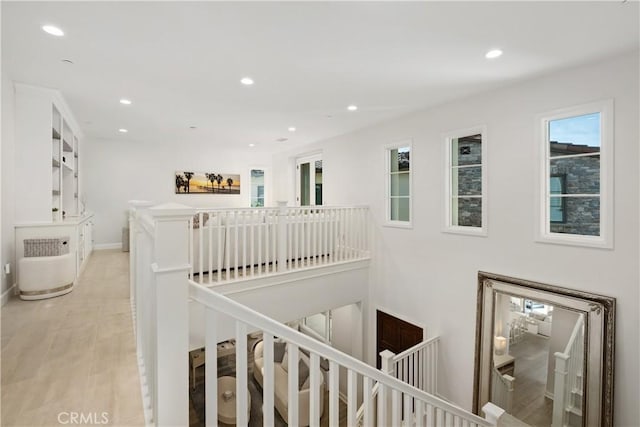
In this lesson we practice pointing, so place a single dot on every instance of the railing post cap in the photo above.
(140, 203)
(387, 354)
(174, 210)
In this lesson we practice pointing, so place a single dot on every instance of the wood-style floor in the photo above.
(74, 353)
(532, 359)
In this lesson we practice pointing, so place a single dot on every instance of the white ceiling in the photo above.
(180, 63)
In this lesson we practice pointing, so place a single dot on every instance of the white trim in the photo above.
(448, 226)
(105, 246)
(7, 293)
(542, 232)
(388, 222)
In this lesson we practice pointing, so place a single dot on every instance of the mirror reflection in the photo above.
(538, 361)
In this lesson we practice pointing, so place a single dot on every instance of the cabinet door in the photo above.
(88, 238)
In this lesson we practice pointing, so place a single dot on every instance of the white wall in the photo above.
(431, 277)
(8, 173)
(116, 171)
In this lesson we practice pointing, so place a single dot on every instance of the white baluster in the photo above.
(242, 389)
(200, 247)
(367, 419)
(281, 251)
(314, 395)
(352, 397)
(334, 391)
(211, 367)
(396, 411)
(268, 380)
(293, 411)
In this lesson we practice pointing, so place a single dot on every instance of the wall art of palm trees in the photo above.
(188, 182)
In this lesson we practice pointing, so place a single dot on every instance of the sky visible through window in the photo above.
(579, 130)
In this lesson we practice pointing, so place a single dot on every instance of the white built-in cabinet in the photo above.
(48, 193)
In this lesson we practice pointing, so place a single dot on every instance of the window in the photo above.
(465, 179)
(257, 188)
(575, 186)
(399, 184)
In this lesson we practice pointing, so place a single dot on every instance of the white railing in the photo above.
(161, 292)
(418, 365)
(502, 389)
(397, 402)
(227, 245)
(568, 375)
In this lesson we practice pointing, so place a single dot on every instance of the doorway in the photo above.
(309, 181)
(395, 335)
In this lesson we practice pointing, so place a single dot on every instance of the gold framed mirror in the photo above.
(544, 353)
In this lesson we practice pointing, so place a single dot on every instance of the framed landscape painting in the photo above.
(207, 183)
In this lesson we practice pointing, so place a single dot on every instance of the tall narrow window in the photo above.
(399, 184)
(575, 182)
(257, 188)
(466, 183)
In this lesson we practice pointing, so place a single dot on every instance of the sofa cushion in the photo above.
(303, 369)
(278, 351)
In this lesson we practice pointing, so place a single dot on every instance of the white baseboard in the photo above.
(7, 293)
(104, 246)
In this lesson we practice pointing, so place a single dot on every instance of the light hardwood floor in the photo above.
(532, 359)
(74, 353)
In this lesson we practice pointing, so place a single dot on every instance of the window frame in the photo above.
(388, 148)
(266, 184)
(543, 228)
(449, 227)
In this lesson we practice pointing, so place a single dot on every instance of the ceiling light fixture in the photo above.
(122, 130)
(252, 145)
(352, 107)
(54, 31)
(247, 81)
(292, 129)
(125, 101)
(67, 61)
(282, 139)
(494, 53)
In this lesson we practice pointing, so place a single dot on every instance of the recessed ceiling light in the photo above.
(125, 101)
(494, 53)
(122, 130)
(352, 107)
(54, 31)
(252, 145)
(193, 127)
(247, 81)
(292, 129)
(282, 139)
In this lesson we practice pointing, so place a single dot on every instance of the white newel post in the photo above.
(559, 381)
(135, 206)
(492, 413)
(281, 256)
(386, 366)
(171, 268)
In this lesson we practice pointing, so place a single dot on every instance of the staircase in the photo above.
(568, 381)
(161, 294)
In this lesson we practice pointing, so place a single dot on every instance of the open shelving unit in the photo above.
(64, 168)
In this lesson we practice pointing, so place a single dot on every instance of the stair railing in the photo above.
(502, 389)
(568, 374)
(408, 404)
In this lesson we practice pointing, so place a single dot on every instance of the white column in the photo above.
(281, 255)
(170, 268)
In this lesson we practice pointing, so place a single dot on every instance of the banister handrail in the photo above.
(261, 208)
(415, 348)
(574, 335)
(251, 317)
